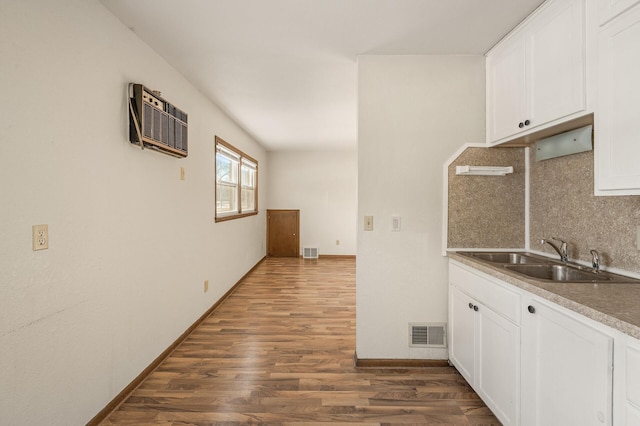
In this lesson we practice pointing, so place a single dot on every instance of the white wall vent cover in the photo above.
(310, 252)
(428, 335)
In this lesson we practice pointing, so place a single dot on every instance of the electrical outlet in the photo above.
(40, 237)
(206, 286)
(337, 242)
(395, 223)
(368, 223)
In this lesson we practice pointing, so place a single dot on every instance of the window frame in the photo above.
(220, 217)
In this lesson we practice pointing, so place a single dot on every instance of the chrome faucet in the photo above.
(595, 261)
(561, 250)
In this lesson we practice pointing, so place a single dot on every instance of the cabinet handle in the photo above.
(521, 125)
(475, 308)
(531, 309)
(470, 305)
(527, 122)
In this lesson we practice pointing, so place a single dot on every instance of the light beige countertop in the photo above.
(616, 305)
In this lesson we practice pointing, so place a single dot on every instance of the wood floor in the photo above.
(280, 351)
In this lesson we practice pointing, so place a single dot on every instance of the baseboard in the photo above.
(115, 402)
(334, 256)
(399, 363)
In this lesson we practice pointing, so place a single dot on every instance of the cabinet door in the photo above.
(608, 9)
(461, 333)
(632, 416)
(506, 89)
(498, 365)
(556, 63)
(566, 370)
(617, 142)
(632, 384)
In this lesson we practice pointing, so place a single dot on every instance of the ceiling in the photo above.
(286, 70)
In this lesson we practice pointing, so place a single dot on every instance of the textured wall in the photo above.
(130, 243)
(563, 206)
(487, 211)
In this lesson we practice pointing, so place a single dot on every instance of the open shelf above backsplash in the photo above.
(484, 170)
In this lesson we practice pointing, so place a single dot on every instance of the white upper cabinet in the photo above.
(556, 62)
(609, 9)
(617, 130)
(537, 76)
(506, 100)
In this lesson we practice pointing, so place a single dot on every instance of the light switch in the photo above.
(368, 223)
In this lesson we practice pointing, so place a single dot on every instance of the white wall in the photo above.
(323, 186)
(130, 243)
(414, 112)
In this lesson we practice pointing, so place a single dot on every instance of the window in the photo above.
(236, 182)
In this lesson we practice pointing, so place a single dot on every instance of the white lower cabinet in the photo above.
(629, 388)
(462, 331)
(535, 363)
(483, 344)
(498, 362)
(567, 368)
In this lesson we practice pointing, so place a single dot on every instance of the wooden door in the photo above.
(283, 233)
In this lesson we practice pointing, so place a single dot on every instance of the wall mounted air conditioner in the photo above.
(155, 123)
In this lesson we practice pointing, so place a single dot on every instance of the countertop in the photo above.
(614, 305)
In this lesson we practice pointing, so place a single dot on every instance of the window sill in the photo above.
(234, 216)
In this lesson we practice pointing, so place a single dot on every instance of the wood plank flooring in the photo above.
(280, 351)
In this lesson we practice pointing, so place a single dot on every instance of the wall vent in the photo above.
(428, 335)
(310, 252)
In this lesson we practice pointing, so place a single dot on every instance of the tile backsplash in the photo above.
(487, 211)
(563, 206)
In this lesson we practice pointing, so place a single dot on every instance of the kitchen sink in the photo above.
(507, 257)
(563, 273)
(545, 269)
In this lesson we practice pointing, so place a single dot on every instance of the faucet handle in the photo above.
(595, 261)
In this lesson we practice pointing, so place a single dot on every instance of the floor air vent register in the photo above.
(310, 252)
(428, 335)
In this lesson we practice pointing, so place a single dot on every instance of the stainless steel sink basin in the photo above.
(563, 273)
(507, 257)
(545, 269)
